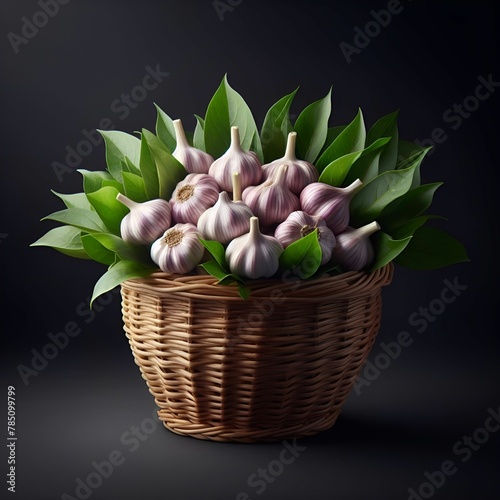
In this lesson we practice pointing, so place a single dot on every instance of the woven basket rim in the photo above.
(205, 286)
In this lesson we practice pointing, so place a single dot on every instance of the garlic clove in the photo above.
(194, 160)
(192, 196)
(179, 250)
(354, 250)
(247, 164)
(300, 172)
(330, 203)
(145, 221)
(299, 224)
(272, 201)
(254, 255)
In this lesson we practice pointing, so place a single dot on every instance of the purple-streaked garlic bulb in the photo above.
(354, 250)
(246, 163)
(145, 221)
(195, 160)
(330, 203)
(192, 196)
(300, 172)
(227, 219)
(272, 202)
(254, 255)
(179, 250)
(299, 224)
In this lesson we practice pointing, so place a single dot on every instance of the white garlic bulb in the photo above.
(330, 203)
(179, 250)
(195, 160)
(247, 164)
(254, 255)
(145, 221)
(300, 172)
(192, 196)
(299, 224)
(354, 250)
(272, 201)
(227, 219)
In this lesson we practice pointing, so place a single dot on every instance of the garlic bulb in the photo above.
(247, 164)
(254, 255)
(179, 250)
(146, 221)
(330, 203)
(272, 201)
(227, 219)
(299, 224)
(354, 250)
(194, 160)
(300, 172)
(192, 196)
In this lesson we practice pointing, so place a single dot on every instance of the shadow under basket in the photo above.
(278, 365)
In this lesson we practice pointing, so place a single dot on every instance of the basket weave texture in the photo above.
(278, 365)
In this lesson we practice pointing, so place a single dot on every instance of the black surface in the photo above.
(80, 407)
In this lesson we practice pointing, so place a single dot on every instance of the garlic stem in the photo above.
(290, 147)
(180, 135)
(280, 175)
(368, 229)
(352, 188)
(126, 201)
(254, 227)
(235, 139)
(236, 187)
(223, 196)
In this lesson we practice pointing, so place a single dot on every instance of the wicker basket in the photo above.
(279, 365)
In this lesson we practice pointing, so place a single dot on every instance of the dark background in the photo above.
(84, 403)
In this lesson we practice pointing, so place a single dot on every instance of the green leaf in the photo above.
(366, 166)
(152, 140)
(217, 251)
(335, 173)
(134, 187)
(118, 146)
(312, 128)
(276, 127)
(77, 200)
(109, 209)
(124, 250)
(332, 134)
(198, 136)
(408, 153)
(93, 181)
(350, 140)
(65, 239)
(117, 273)
(86, 220)
(149, 172)
(303, 256)
(96, 251)
(373, 197)
(432, 248)
(226, 109)
(165, 129)
(408, 228)
(386, 126)
(169, 172)
(243, 291)
(386, 249)
(213, 268)
(412, 204)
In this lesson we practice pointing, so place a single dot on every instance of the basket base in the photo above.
(227, 435)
